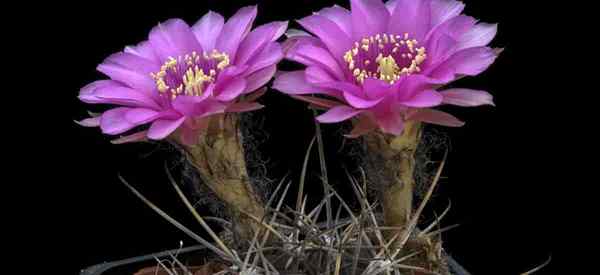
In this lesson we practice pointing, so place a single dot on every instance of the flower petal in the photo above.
(234, 31)
(436, 117)
(313, 55)
(376, 89)
(360, 103)
(194, 106)
(369, 17)
(140, 116)
(442, 10)
(412, 17)
(271, 55)
(162, 128)
(259, 79)
(340, 16)
(258, 39)
(316, 75)
(144, 50)
(467, 97)
(471, 61)
(391, 5)
(89, 122)
(124, 96)
(113, 122)
(444, 39)
(173, 38)
(294, 83)
(423, 99)
(336, 40)
(208, 29)
(390, 122)
(480, 35)
(130, 69)
(337, 114)
(86, 94)
(230, 90)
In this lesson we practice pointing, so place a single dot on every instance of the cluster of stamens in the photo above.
(189, 74)
(386, 57)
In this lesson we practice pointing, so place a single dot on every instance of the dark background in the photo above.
(502, 174)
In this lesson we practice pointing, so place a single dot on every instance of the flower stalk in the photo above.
(218, 156)
(396, 157)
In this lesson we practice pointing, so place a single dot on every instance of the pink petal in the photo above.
(89, 122)
(442, 10)
(130, 69)
(443, 40)
(336, 40)
(340, 16)
(312, 55)
(230, 89)
(140, 116)
(258, 39)
(467, 97)
(193, 106)
(271, 55)
(480, 35)
(208, 29)
(316, 75)
(87, 93)
(408, 87)
(259, 79)
(173, 38)
(336, 88)
(470, 61)
(360, 103)
(234, 31)
(391, 5)
(389, 121)
(412, 17)
(144, 50)
(162, 128)
(113, 122)
(337, 114)
(436, 117)
(124, 96)
(423, 99)
(369, 17)
(377, 89)
(294, 83)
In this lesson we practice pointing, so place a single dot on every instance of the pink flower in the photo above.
(383, 62)
(182, 75)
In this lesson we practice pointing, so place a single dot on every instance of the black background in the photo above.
(502, 174)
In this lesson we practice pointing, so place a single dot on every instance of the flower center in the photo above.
(386, 57)
(189, 74)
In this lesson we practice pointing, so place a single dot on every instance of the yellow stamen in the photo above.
(194, 78)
